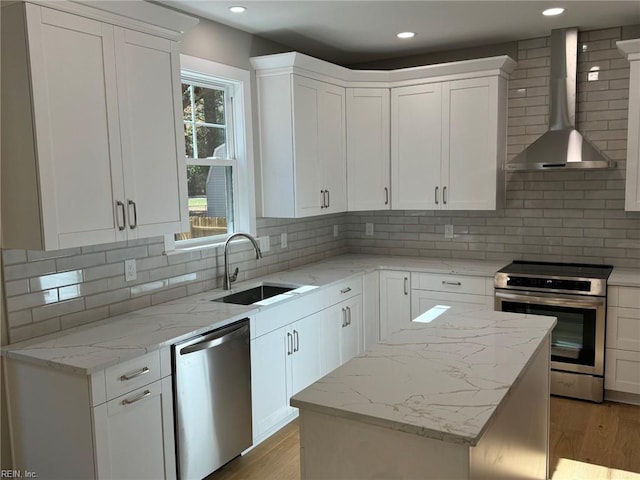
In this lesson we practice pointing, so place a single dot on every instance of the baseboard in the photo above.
(622, 397)
(277, 427)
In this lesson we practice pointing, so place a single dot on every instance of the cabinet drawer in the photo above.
(448, 283)
(622, 371)
(132, 374)
(342, 291)
(628, 297)
(623, 328)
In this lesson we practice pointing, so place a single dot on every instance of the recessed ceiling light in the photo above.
(238, 9)
(550, 12)
(406, 35)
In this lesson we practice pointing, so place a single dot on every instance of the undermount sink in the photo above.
(255, 294)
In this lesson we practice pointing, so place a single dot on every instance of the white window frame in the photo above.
(239, 80)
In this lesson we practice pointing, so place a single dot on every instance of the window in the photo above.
(218, 151)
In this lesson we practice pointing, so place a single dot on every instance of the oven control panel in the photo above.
(549, 283)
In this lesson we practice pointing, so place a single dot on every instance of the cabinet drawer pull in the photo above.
(289, 343)
(135, 215)
(323, 199)
(456, 284)
(437, 195)
(144, 394)
(386, 196)
(344, 317)
(348, 315)
(131, 376)
(120, 206)
(345, 290)
(328, 199)
(406, 285)
(296, 339)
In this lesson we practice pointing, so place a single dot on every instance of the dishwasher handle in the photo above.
(216, 338)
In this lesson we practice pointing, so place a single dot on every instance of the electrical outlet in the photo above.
(265, 243)
(335, 230)
(448, 231)
(130, 272)
(283, 240)
(368, 229)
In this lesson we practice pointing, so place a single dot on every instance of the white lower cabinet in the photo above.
(342, 337)
(622, 353)
(452, 293)
(116, 423)
(395, 301)
(305, 353)
(370, 309)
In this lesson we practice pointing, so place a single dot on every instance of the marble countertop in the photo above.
(99, 345)
(624, 277)
(443, 380)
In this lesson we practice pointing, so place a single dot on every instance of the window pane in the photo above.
(210, 201)
(209, 105)
(186, 101)
(211, 142)
(188, 139)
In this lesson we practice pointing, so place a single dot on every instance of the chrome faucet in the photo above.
(230, 278)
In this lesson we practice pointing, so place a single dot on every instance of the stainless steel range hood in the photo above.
(562, 147)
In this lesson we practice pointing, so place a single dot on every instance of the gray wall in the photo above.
(551, 216)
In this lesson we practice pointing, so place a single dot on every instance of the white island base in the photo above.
(513, 445)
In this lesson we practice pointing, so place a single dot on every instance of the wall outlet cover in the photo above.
(283, 240)
(130, 271)
(265, 243)
(368, 229)
(448, 231)
(335, 230)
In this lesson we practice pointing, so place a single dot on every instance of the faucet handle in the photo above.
(234, 276)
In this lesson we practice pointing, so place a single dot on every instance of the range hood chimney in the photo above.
(562, 147)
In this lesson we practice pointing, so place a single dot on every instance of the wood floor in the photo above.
(587, 442)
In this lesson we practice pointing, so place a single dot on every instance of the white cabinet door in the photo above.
(306, 163)
(395, 301)
(469, 164)
(333, 320)
(306, 359)
(332, 147)
(632, 189)
(370, 309)
(368, 161)
(130, 434)
(416, 146)
(148, 95)
(75, 129)
(351, 337)
(269, 357)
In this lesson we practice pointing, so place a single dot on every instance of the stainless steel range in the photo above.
(577, 295)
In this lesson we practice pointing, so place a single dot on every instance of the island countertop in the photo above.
(444, 379)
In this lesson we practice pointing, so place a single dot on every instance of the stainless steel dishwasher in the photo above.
(212, 391)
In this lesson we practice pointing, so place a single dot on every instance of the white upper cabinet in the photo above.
(448, 143)
(302, 146)
(91, 131)
(368, 167)
(631, 48)
(431, 137)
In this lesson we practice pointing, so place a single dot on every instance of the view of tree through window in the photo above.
(209, 172)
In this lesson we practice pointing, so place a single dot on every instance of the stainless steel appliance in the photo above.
(212, 393)
(577, 295)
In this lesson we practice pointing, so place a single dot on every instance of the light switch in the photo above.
(265, 243)
(448, 231)
(283, 240)
(368, 229)
(335, 230)
(130, 271)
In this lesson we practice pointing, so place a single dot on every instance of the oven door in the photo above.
(577, 340)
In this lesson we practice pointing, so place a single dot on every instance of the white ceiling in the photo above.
(357, 31)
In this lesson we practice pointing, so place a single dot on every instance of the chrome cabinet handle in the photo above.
(296, 346)
(456, 284)
(289, 343)
(444, 195)
(344, 317)
(120, 205)
(144, 394)
(135, 215)
(323, 199)
(406, 285)
(386, 196)
(348, 315)
(131, 376)
(345, 290)
(437, 195)
(328, 198)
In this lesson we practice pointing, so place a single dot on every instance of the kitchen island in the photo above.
(459, 396)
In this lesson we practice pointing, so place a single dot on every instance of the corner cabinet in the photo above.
(631, 49)
(448, 144)
(92, 131)
(302, 145)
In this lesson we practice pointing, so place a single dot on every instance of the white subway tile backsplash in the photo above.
(80, 261)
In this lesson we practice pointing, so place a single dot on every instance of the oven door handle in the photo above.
(557, 300)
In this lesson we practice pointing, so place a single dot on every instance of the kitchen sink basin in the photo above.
(253, 295)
